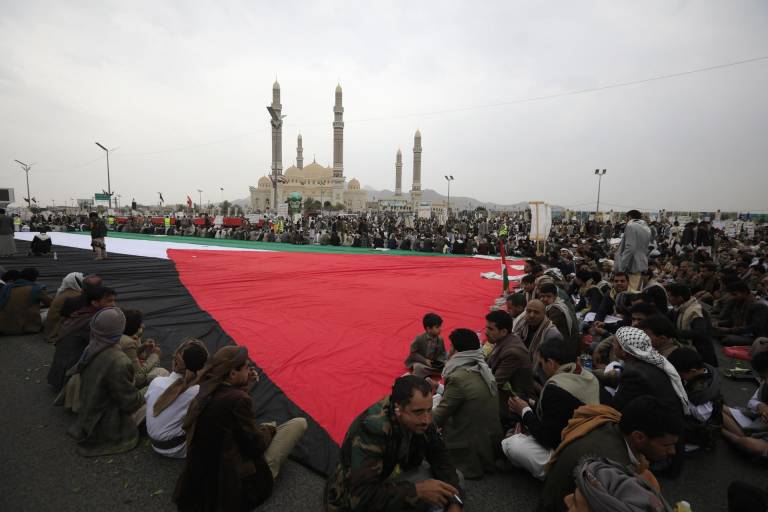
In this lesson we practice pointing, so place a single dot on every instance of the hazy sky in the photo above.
(180, 88)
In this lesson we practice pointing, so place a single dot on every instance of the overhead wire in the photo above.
(471, 107)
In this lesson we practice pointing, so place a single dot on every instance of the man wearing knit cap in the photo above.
(231, 460)
(110, 405)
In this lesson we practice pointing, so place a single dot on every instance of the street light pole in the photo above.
(26, 169)
(449, 179)
(200, 196)
(109, 185)
(600, 174)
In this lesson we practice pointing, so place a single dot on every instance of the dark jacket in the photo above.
(749, 318)
(74, 335)
(640, 378)
(225, 470)
(369, 455)
(604, 441)
(98, 228)
(557, 408)
(510, 363)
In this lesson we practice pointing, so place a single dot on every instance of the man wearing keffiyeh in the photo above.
(646, 372)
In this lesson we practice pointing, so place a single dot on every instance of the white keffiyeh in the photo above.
(637, 344)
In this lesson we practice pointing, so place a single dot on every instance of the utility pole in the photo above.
(26, 169)
(599, 173)
(200, 196)
(449, 179)
(109, 185)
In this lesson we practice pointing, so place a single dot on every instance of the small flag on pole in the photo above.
(504, 273)
(189, 202)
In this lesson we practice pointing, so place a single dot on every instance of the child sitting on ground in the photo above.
(428, 355)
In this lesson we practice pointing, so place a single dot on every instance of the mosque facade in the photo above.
(315, 181)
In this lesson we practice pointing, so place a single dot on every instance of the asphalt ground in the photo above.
(40, 469)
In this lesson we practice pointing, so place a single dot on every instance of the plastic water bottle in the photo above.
(683, 506)
(55, 256)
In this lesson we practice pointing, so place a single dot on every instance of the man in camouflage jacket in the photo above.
(380, 466)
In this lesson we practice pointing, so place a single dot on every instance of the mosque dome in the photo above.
(353, 184)
(265, 182)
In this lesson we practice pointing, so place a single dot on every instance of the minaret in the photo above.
(399, 173)
(416, 188)
(299, 154)
(277, 130)
(338, 136)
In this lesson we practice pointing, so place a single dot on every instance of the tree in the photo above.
(225, 205)
(311, 205)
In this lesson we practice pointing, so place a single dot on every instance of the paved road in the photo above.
(41, 471)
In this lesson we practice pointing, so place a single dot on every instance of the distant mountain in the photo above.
(457, 202)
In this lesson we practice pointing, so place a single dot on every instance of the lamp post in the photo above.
(200, 201)
(449, 179)
(599, 173)
(109, 185)
(26, 169)
(275, 178)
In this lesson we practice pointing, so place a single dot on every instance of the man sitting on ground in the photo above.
(20, 303)
(381, 461)
(427, 355)
(168, 399)
(510, 360)
(691, 322)
(468, 412)
(567, 388)
(646, 372)
(534, 328)
(645, 432)
(608, 304)
(71, 286)
(702, 384)
(515, 305)
(745, 428)
(110, 406)
(662, 333)
(231, 462)
(560, 314)
(75, 332)
(748, 318)
(41, 243)
(145, 356)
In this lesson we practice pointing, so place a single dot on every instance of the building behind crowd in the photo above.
(327, 184)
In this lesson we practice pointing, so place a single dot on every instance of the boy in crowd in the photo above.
(428, 355)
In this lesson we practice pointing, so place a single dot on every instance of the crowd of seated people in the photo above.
(597, 372)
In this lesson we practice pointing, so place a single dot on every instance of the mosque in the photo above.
(315, 181)
(325, 184)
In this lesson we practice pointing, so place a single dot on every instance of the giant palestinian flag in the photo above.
(328, 327)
